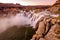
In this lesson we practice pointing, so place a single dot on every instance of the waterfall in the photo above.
(24, 18)
(33, 17)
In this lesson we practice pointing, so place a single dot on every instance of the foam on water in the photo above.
(23, 18)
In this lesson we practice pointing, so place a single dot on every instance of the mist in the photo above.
(17, 20)
(21, 19)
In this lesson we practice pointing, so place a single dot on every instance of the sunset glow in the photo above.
(30, 2)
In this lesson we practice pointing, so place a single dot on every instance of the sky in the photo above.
(30, 2)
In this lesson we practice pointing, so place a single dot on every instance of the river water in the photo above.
(24, 18)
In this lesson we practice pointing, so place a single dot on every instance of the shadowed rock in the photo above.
(47, 30)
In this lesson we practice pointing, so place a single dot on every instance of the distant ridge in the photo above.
(9, 5)
(57, 2)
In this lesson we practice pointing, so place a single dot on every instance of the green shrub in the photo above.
(14, 33)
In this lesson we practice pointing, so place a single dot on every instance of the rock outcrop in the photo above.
(9, 9)
(55, 8)
(47, 29)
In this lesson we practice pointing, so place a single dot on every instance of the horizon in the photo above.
(30, 3)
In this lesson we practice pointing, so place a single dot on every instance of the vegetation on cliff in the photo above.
(14, 33)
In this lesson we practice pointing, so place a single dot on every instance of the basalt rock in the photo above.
(47, 29)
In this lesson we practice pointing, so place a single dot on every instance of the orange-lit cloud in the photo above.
(30, 2)
(37, 2)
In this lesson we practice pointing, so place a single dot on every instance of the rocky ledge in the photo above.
(47, 29)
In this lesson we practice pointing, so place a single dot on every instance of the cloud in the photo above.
(30, 2)
(36, 2)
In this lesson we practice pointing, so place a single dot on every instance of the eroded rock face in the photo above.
(55, 8)
(48, 29)
(54, 33)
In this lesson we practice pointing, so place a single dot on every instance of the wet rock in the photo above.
(48, 29)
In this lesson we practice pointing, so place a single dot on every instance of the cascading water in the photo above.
(35, 17)
(24, 18)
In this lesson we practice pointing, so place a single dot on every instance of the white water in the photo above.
(23, 18)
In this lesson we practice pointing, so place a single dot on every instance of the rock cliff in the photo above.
(47, 29)
(7, 9)
(55, 8)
